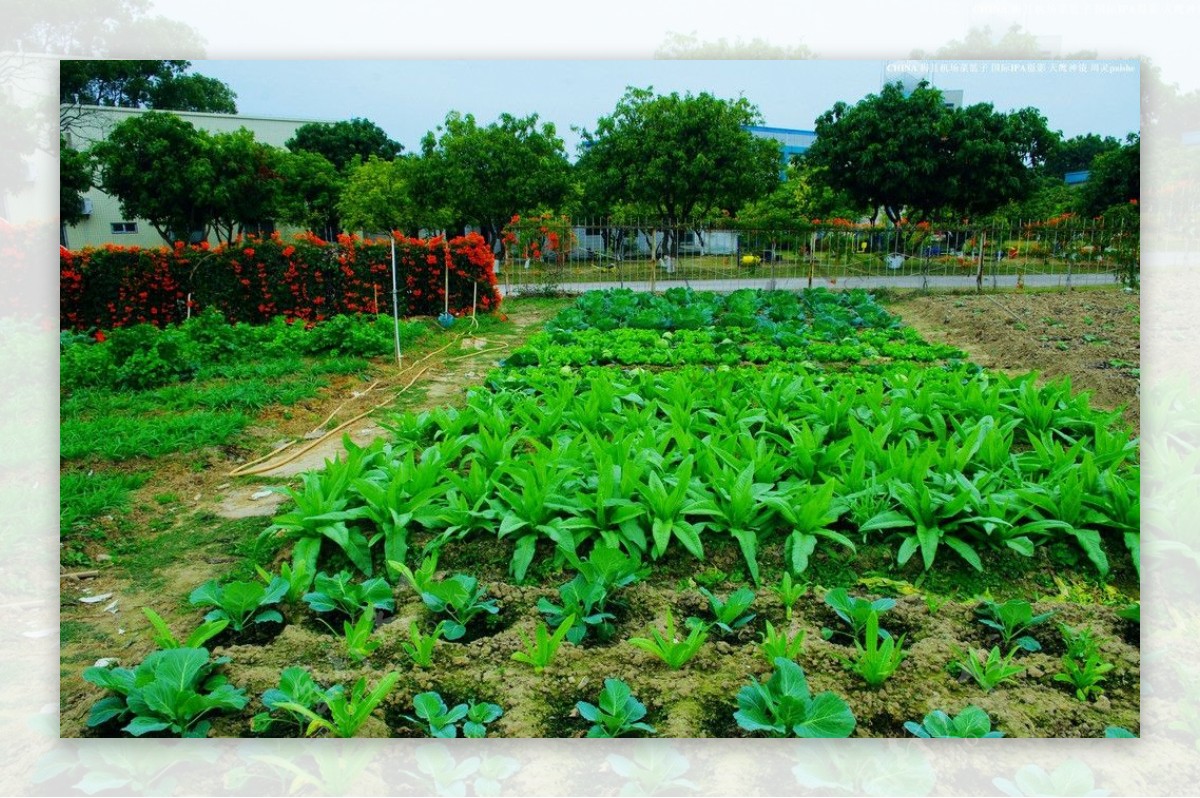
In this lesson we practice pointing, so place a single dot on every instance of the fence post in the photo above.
(979, 270)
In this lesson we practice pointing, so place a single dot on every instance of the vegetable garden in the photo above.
(688, 514)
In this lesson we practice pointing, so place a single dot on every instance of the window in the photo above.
(120, 228)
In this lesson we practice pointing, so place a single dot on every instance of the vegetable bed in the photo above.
(811, 523)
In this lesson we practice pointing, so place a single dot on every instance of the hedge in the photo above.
(256, 279)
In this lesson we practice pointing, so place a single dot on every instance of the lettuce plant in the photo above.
(297, 575)
(171, 690)
(296, 687)
(339, 593)
(479, 715)
(776, 644)
(808, 512)
(616, 714)
(609, 566)
(783, 706)
(420, 647)
(740, 506)
(347, 713)
(971, 722)
(878, 656)
(199, 636)
(434, 717)
(240, 603)
(539, 651)
(1013, 619)
(856, 611)
(1084, 675)
(731, 613)
(357, 637)
(462, 598)
(789, 593)
(668, 647)
(584, 601)
(988, 670)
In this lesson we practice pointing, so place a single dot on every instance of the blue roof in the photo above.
(1075, 178)
(768, 129)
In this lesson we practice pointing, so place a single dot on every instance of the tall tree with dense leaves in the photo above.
(683, 156)
(154, 85)
(188, 183)
(158, 166)
(907, 153)
(377, 197)
(1077, 153)
(310, 192)
(342, 142)
(74, 178)
(1115, 179)
(484, 176)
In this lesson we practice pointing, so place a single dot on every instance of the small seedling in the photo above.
(462, 598)
(420, 647)
(479, 715)
(789, 593)
(668, 647)
(585, 602)
(878, 656)
(855, 611)
(1013, 619)
(540, 651)
(165, 639)
(776, 644)
(971, 722)
(731, 613)
(240, 603)
(296, 687)
(346, 714)
(618, 713)
(434, 717)
(421, 579)
(987, 670)
(357, 637)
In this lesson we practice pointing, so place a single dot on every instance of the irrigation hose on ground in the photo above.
(266, 463)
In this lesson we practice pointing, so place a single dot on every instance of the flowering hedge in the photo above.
(256, 279)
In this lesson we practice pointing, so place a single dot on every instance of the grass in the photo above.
(86, 496)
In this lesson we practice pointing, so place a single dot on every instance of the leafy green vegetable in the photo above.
(667, 646)
(789, 593)
(543, 647)
(731, 613)
(434, 717)
(583, 601)
(478, 716)
(171, 690)
(783, 706)
(201, 635)
(776, 644)
(1012, 620)
(240, 603)
(857, 611)
(296, 687)
(357, 637)
(462, 598)
(971, 722)
(618, 714)
(339, 593)
(347, 714)
(878, 656)
(987, 669)
(420, 647)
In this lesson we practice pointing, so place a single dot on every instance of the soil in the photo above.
(999, 331)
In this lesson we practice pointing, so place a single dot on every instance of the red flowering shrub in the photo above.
(257, 279)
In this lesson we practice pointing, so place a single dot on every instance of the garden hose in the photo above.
(256, 467)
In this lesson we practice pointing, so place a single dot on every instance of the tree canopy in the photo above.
(486, 175)
(342, 142)
(158, 85)
(907, 153)
(74, 178)
(377, 196)
(1115, 179)
(185, 182)
(682, 156)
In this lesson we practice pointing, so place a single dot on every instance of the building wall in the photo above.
(94, 124)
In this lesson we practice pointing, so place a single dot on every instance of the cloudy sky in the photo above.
(407, 98)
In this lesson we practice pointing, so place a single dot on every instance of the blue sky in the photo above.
(407, 98)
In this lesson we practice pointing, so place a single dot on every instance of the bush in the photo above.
(256, 280)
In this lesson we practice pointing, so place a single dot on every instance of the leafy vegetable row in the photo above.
(926, 461)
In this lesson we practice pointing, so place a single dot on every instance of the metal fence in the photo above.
(646, 255)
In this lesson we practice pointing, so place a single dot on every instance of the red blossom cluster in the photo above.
(257, 279)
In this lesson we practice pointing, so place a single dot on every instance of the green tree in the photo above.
(310, 192)
(486, 175)
(682, 156)
(343, 142)
(244, 194)
(158, 166)
(188, 183)
(1115, 179)
(909, 154)
(157, 85)
(1077, 153)
(74, 178)
(377, 196)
